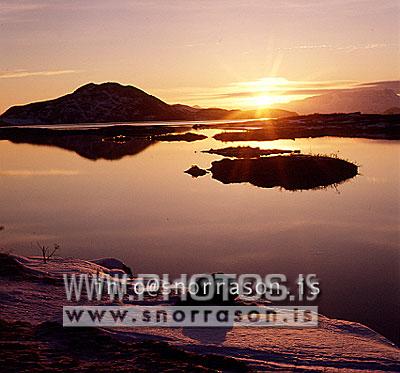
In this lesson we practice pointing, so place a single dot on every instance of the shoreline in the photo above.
(34, 293)
(354, 125)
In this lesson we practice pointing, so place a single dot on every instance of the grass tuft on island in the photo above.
(293, 172)
(247, 152)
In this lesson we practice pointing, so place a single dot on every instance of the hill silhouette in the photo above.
(113, 102)
(367, 101)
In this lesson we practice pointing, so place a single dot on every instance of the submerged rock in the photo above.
(211, 290)
(113, 264)
(196, 171)
(290, 172)
(247, 152)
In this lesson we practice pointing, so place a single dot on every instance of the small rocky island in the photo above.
(247, 152)
(195, 171)
(293, 172)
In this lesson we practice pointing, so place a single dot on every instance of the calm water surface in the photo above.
(145, 210)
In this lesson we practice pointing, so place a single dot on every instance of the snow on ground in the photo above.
(33, 291)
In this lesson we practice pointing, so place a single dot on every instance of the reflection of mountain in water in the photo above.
(112, 142)
(91, 146)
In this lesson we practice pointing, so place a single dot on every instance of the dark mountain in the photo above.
(113, 102)
(392, 111)
(367, 101)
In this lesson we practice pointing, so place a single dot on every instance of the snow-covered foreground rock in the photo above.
(32, 291)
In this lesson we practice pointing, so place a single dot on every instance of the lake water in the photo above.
(145, 210)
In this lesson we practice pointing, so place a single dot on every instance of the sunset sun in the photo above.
(264, 100)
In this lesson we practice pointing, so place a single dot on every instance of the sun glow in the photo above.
(266, 91)
(264, 100)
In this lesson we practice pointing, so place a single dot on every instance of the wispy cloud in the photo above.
(17, 11)
(387, 84)
(27, 173)
(278, 90)
(348, 48)
(278, 86)
(8, 7)
(25, 73)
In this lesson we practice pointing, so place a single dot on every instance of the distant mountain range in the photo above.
(113, 102)
(367, 101)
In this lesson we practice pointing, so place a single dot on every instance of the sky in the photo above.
(225, 53)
